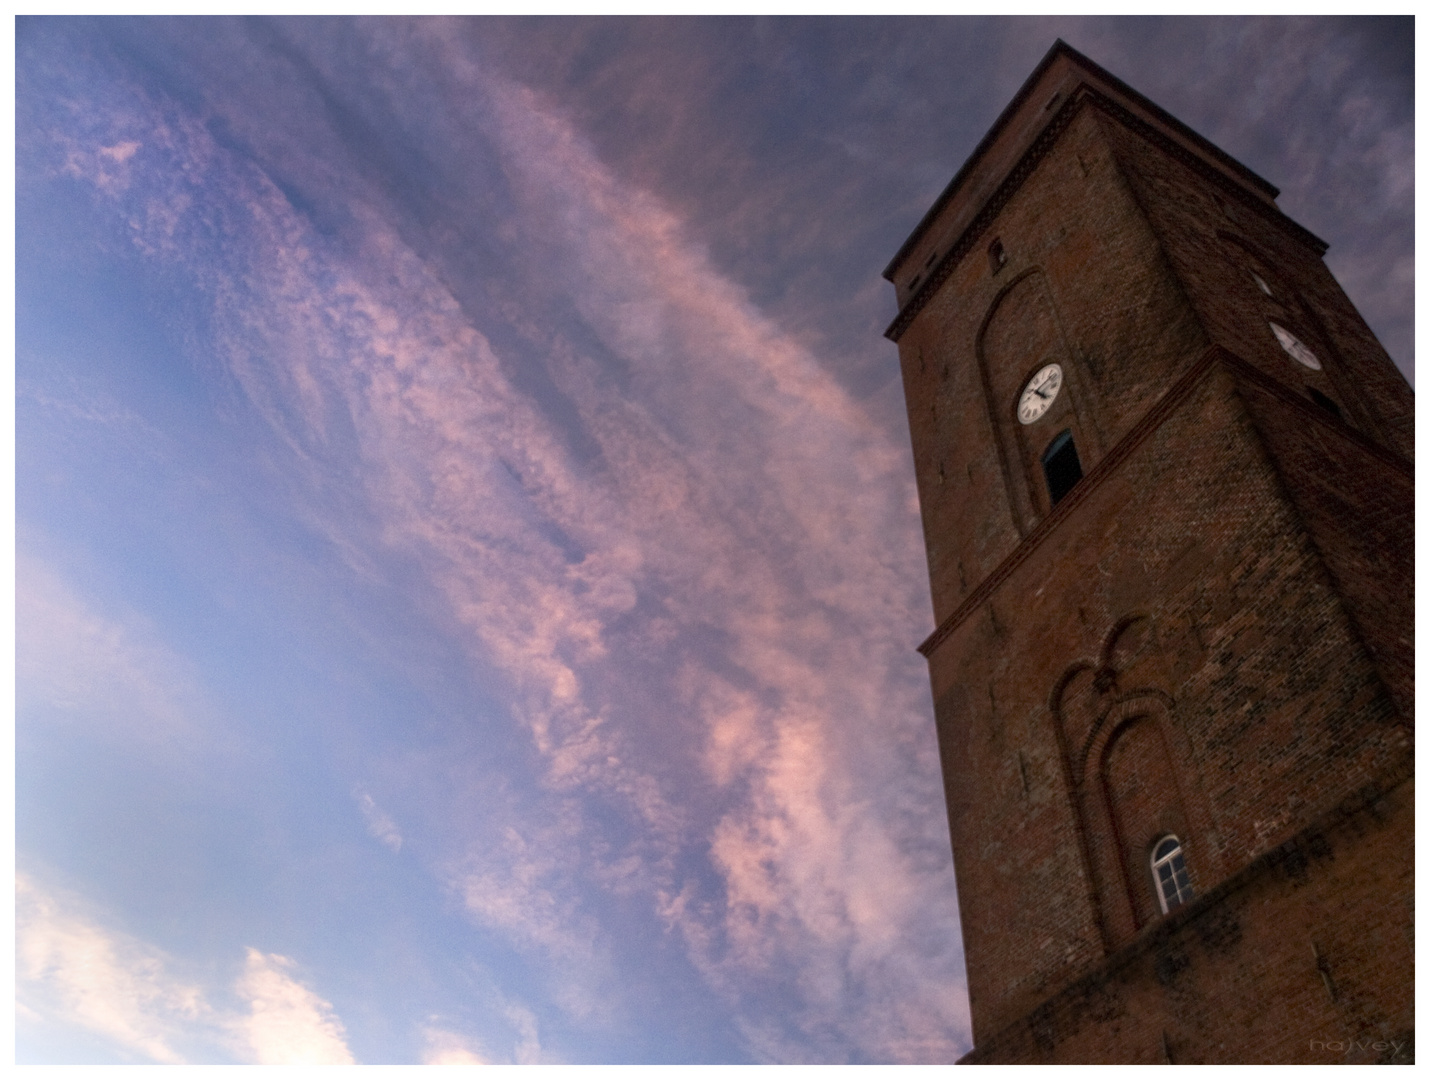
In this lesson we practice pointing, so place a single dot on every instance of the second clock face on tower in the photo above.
(1038, 396)
(1294, 348)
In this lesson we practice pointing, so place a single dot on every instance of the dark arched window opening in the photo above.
(1169, 871)
(1324, 402)
(1061, 466)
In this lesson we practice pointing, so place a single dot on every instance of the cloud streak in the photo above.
(287, 1023)
(73, 973)
(715, 548)
(379, 826)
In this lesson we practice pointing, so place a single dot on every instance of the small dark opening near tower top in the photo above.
(1061, 466)
(996, 256)
(1324, 402)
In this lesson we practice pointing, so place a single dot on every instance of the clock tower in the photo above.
(1165, 472)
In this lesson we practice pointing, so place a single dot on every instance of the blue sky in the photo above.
(468, 562)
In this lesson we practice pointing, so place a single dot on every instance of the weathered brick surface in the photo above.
(1238, 976)
(1211, 636)
(1215, 239)
(1357, 505)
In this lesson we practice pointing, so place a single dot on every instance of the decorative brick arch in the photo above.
(1140, 789)
(1129, 774)
(1021, 331)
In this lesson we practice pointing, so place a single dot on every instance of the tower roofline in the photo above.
(1062, 50)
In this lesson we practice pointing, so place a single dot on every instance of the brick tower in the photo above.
(1167, 492)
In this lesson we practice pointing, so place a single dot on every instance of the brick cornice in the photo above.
(1199, 165)
(1084, 94)
(991, 209)
(1100, 75)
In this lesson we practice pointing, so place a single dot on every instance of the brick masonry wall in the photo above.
(1119, 312)
(1274, 709)
(1214, 238)
(1358, 507)
(1211, 636)
(1302, 959)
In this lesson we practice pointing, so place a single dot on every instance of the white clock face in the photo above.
(1040, 393)
(1294, 349)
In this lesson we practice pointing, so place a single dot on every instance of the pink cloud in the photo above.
(740, 497)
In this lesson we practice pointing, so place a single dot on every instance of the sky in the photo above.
(468, 559)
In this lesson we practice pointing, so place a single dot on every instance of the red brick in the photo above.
(1211, 635)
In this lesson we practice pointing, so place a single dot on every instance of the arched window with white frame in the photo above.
(1169, 871)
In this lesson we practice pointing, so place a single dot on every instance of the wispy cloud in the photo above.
(381, 827)
(444, 1046)
(449, 1048)
(287, 1023)
(70, 972)
(678, 556)
(806, 884)
(704, 624)
(524, 881)
(75, 972)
